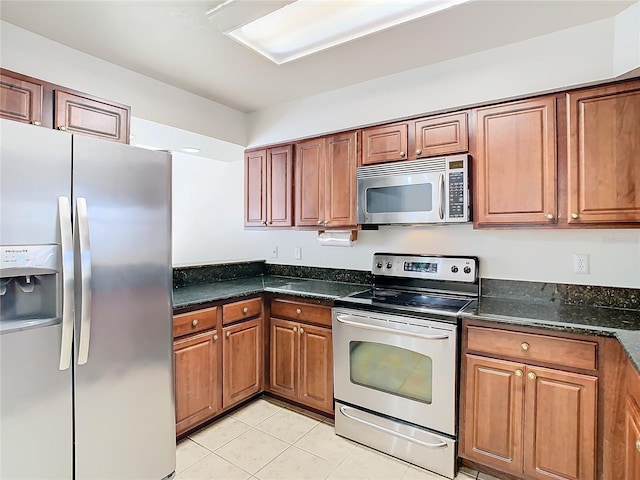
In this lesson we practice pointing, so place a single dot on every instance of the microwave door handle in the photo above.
(441, 209)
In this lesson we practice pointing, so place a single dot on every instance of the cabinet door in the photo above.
(20, 99)
(284, 358)
(242, 370)
(560, 425)
(86, 115)
(632, 440)
(255, 188)
(604, 141)
(197, 386)
(515, 160)
(493, 413)
(384, 144)
(310, 160)
(279, 186)
(316, 367)
(444, 134)
(340, 180)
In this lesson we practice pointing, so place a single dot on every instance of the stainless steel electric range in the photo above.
(396, 357)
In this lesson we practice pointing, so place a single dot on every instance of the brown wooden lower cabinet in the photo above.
(302, 363)
(242, 367)
(632, 440)
(197, 387)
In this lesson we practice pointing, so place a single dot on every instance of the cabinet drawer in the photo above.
(303, 312)
(532, 347)
(233, 312)
(193, 322)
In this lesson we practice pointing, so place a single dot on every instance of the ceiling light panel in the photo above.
(309, 26)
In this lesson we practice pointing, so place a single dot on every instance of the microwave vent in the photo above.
(402, 168)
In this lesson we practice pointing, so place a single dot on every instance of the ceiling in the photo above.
(176, 43)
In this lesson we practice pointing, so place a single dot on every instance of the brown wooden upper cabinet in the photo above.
(30, 100)
(514, 151)
(424, 137)
(268, 187)
(325, 183)
(603, 149)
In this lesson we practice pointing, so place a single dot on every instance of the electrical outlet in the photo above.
(274, 252)
(580, 263)
(298, 253)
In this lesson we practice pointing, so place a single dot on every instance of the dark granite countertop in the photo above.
(193, 295)
(611, 322)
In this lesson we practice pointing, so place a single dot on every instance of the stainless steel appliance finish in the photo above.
(87, 387)
(412, 192)
(396, 357)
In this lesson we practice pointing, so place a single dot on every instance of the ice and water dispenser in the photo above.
(28, 286)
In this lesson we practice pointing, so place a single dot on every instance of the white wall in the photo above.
(36, 56)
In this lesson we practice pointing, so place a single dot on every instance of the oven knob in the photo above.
(389, 265)
(379, 265)
(467, 269)
(454, 269)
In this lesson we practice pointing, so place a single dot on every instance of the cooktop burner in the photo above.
(410, 300)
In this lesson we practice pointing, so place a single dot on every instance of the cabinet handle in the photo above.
(36, 123)
(402, 154)
(228, 334)
(531, 375)
(295, 329)
(575, 216)
(245, 309)
(418, 152)
(518, 373)
(550, 216)
(215, 337)
(525, 346)
(638, 445)
(301, 330)
(298, 311)
(195, 322)
(62, 127)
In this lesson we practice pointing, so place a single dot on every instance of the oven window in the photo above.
(391, 369)
(400, 198)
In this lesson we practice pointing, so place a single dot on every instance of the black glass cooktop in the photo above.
(410, 300)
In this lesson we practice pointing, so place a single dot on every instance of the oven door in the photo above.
(401, 198)
(397, 366)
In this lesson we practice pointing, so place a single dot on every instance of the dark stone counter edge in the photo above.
(633, 354)
(216, 298)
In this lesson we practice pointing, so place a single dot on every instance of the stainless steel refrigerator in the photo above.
(86, 375)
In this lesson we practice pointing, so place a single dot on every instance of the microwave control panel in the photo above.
(458, 190)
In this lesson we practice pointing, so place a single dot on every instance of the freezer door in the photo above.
(124, 405)
(35, 395)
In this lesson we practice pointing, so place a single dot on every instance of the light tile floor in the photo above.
(272, 440)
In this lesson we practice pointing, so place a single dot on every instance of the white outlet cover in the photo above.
(298, 253)
(581, 263)
(274, 252)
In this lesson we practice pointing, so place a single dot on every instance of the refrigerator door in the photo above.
(124, 405)
(36, 437)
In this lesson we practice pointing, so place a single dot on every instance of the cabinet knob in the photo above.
(245, 309)
(525, 346)
(301, 330)
(518, 373)
(575, 216)
(550, 216)
(215, 337)
(418, 152)
(228, 334)
(319, 222)
(298, 311)
(270, 222)
(638, 445)
(36, 123)
(402, 154)
(62, 127)
(531, 375)
(326, 222)
(295, 329)
(264, 223)
(195, 322)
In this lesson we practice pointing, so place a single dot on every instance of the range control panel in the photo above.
(447, 268)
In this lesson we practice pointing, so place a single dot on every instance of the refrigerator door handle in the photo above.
(82, 230)
(66, 247)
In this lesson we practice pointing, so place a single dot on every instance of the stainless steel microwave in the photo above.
(434, 190)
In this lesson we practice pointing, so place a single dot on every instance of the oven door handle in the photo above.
(343, 319)
(392, 432)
